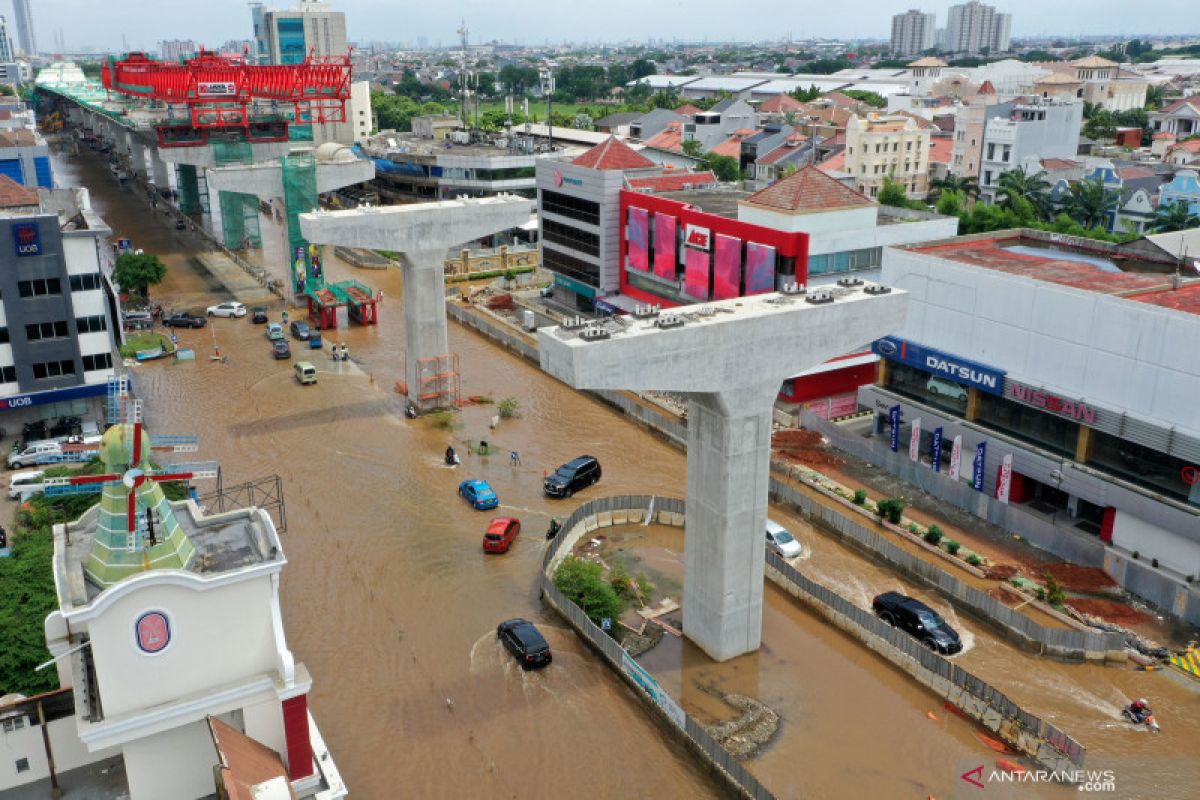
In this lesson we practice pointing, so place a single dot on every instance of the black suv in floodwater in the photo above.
(576, 474)
(525, 642)
(918, 620)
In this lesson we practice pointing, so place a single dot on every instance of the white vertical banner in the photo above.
(955, 457)
(914, 442)
(1004, 483)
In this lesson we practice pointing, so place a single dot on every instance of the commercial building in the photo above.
(408, 166)
(6, 48)
(59, 326)
(1015, 132)
(25, 157)
(23, 17)
(975, 27)
(891, 146)
(912, 32)
(1066, 380)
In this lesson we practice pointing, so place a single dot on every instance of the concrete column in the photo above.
(159, 174)
(1083, 444)
(974, 404)
(728, 468)
(424, 316)
(881, 372)
(137, 156)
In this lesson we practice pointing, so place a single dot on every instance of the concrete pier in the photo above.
(730, 359)
(421, 233)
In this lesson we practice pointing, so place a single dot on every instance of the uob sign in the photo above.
(27, 238)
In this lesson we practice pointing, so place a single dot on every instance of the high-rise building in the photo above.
(912, 32)
(6, 53)
(24, 21)
(974, 27)
(176, 49)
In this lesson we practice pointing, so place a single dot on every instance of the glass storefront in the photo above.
(928, 389)
(1143, 466)
(1030, 425)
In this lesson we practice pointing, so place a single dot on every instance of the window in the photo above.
(53, 369)
(987, 177)
(569, 236)
(94, 324)
(570, 266)
(991, 156)
(3, 335)
(46, 330)
(39, 287)
(98, 361)
(14, 724)
(1141, 465)
(8, 374)
(572, 207)
(22, 765)
(82, 283)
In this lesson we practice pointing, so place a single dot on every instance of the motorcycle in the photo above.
(553, 530)
(1142, 716)
(452, 459)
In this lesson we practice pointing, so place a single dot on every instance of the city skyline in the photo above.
(368, 20)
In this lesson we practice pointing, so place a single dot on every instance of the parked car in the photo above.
(944, 388)
(182, 319)
(781, 540)
(525, 642)
(300, 330)
(137, 320)
(230, 309)
(274, 331)
(23, 457)
(576, 474)
(25, 483)
(500, 534)
(280, 349)
(314, 340)
(479, 494)
(918, 620)
(259, 315)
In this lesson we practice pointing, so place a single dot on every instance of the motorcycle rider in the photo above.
(1139, 710)
(451, 456)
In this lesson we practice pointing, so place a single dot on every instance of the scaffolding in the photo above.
(438, 379)
(299, 197)
(189, 189)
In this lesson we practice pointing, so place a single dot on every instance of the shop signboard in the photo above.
(936, 455)
(914, 440)
(956, 457)
(1004, 479)
(894, 419)
(1047, 401)
(944, 365)
(978, 466)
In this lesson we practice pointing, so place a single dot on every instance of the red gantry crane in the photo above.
(224, 92)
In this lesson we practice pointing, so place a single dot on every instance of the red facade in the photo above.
(295, 731)
(720, 251)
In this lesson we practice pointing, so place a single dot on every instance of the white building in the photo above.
(974, 27)
(176, 49)
(912, 32)
(1015, 132)
(1071, 377)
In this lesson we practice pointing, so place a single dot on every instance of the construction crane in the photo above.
(212, 91)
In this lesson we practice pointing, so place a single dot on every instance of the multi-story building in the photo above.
(6, 49)
(912, 32)
(176, 49)
(1018, 131)
(1066, 380)
(59, 325)
(887, 146)
(976, 28)
(1181, 118)
(23, 17)
(25, 157)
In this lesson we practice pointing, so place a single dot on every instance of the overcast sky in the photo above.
(211, 22)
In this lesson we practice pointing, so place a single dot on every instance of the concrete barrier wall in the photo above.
(980, 701)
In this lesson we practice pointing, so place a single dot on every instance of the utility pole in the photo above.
(462, 78)
(548, 88)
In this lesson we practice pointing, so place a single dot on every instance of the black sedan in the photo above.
(259, 315)
(280, 349)
(300, 330)
(525, 642)
(182, 319)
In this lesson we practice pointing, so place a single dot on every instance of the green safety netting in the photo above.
(232, 152)
(239, 220)
(300, 197)
(300, 133)
(189, 189)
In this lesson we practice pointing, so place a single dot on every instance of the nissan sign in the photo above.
(944, 365)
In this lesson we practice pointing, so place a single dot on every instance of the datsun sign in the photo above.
(944, 365)
(27, 238)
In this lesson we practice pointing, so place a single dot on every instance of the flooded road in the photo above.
(390, 602)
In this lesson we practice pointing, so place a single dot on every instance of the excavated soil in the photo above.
(804, 447)
(1109, 610)
(1007, 596)
(1080, 579)
(1001, 572)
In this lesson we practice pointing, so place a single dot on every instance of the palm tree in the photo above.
(1089, 203)
(965, 185)
(1174, 217)
(1033, 188)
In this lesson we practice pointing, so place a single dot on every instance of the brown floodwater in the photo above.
(391, 604)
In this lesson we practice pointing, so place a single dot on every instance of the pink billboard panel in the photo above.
(664, 246)
(760, 268)
(638, 241)
(695, 277)
(727, 267)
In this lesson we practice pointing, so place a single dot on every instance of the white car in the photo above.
(941, 387)
(25, 483)
(781, 541)
(230, 309)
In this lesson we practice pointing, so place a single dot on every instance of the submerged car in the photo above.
(300, 330)
(525, 642)
(781, 540)
(183, 319)
(918, 620)
(576, 474)
(479, 494)
(259, 315)
(500, 534)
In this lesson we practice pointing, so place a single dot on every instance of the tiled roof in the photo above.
(21, 138)
(1193, 101)
(245, 764)
(670, 138)
(1132, 173)
(922, 123)
(687, 109)
(613, 154)
(673, 182)
(1190, 145)
(1093, 62)
(986, 88)
(809, 189)
(779, 153)
(1059, 163)
(941, 149)
(835, 163)
(731, 147)
(780, 104)
(13, 194)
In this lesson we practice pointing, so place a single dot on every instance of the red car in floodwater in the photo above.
(500, 534)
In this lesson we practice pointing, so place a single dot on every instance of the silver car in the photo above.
(781, 541)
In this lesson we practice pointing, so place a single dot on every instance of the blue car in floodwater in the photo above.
(479, 494)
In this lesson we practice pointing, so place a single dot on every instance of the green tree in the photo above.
(1090, 203)
(724, 167)
(137, 273)
(805, 95)
(641, 68)
(1100, 125)
(892, 194)
(1174, 217)
(1154, 97)
(967, 186)
(1016, 184)
(691, 147)
(666, 98)
(951, 203)
(583, 583)
(873, 99)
